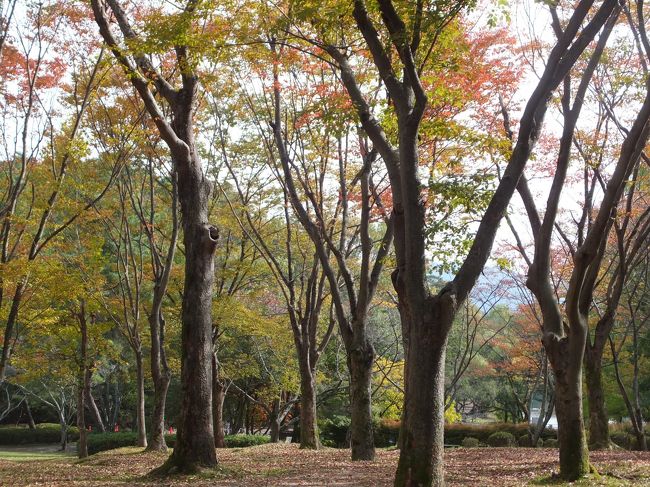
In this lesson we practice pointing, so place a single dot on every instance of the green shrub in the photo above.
(98, 442)
(525, 441)
(43, 433)
(109, 441)
(241, 441)
(470, 442)
(501, 438)
(334, 431)
(550, 443)
(386, 433)
(454, 433)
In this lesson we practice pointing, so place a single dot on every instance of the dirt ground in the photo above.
(285, 465)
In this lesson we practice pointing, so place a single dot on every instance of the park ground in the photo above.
(286, 465)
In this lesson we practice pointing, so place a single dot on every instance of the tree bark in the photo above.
(64, 432)
(308, 430)
(218, 398)
(194, 447)
(159, 369)
(141, 421)
(422, 432)
(161, 385)
(566, 358)
(360, 362)
(574, 454)
(598, 417)
(274, 420)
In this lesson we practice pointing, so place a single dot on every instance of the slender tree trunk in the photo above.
(10, 326)
(82, 444)
(157, 442)
(141, 419)
(360, 362)
(422, 432)
(83, 383)
(160, 374)
(64, 432)
(194, 447)
(94, 410)
(598, 417)
(30, 418)
(308, 430)
(218, 398)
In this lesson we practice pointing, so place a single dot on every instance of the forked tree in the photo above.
(195, 441)
(398, 52)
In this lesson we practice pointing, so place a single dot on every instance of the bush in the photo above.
(43, 433)
(386, 433)
(501, 438)
(241, 441)
(470, 442)
(334, 431)
(109, 441)
(454, 433)
(550, 443)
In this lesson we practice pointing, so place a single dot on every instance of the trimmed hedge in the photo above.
(43, 433)
(550, 443)
(242, 441)
(470, 442)
(109, 441)
(454, 433)
(98, 442)
(501, 438)
(387, 432)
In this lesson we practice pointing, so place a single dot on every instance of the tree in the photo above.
(351, 304)
(426, 317)
(195, 440)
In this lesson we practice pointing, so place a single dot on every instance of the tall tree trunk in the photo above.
(598, 417)
(83, 383)
(422, 431)
(360, 363)
(218, 398)
(141, 419)
(566, 358)
(308, 430)
(194, 447)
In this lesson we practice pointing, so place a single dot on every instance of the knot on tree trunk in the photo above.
(210, 237)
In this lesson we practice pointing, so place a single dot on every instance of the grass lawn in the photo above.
(286, 465)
